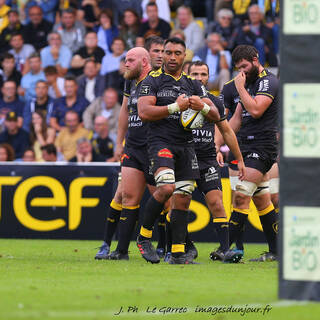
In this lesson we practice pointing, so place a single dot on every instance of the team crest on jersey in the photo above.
(264, 85)
(145, 90)
(165, 153)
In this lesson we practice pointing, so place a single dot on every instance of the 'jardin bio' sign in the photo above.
(302, 120)
(301, 17)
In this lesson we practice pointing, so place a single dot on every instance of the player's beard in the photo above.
(252, 75)
(134, 73)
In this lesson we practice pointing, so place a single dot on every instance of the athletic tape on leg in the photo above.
(262, 188)
(233, 182)
(246, 187)
(274, 185)
(184, 187)
(165, 177)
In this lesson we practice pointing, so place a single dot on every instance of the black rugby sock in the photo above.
(168, 234)
(112, 221)
(221, 227)
(127, 224)
(179, 222)
(236, 226)
(152, 211)
(162, 230)
(269, 221)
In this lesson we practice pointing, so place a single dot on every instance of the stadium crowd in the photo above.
(62, 64)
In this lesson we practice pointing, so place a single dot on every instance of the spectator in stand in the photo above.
(71, 101)
(10, 102)
(272, 14)
(13, 27)
(88, 13)
(106, 106)
(121, 6)
(66, 141)
(192, 31)
(106, 30)
(240, 9)
(111, 61)
(29, 155)
(72, 32)
(6, 152)
(225, 27)
(91, 84)
(89, 51)
(29, 80)
(218, 61)
(129, 30)
(56, 54)
(8, 70)
(49, 152)
(40, 133)
(85, 152)
(4, 20)
(101, 142)
(21, 52)
(177, 33)
(116, 80)
(48, 8)
(15, 136)
(37, 30)
(42, 102)
(163, 7)
(256, 33)
(55, 83)
(154, 26)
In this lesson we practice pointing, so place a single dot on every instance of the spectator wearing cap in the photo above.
(90, 50)
(72, 32)
(71, 101)
(37, 30)
(66, 141)
(20, 51)
(154, 26)
(14, 135)
(55, 83)
(4, 20)
(111, 61)
(56, 54)
(49, 152)
(85, 152)
(106, 106)
(48, 8)
(42, 102)
(91, 83)
(101, 142)
(10, 102)
(8, 70)
(193, 32)
(13, 26)
(29, 80)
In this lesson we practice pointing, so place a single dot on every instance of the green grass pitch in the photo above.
(47, 279)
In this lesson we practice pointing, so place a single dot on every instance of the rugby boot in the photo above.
(266, 257)
(116, 255)
(103, 252)
(147, 250)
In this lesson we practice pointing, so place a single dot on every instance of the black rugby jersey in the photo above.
(230, 97)
(204, 137)
(166, 89)
(137, 130)
(265, 128)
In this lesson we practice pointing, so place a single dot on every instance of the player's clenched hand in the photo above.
(219, 159)
(240, 80)
(183, 102)
(242, 170)
(196, 103)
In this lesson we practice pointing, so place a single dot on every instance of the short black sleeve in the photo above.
(268, 86)
(127, 86)
(148, 87)
(219, 105)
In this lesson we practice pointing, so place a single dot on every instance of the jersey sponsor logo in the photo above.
(176, 88)
(253, 155)
(194, 163)
(212, 174)
(264, 85)
(165, 153)
(167, 93)
(145, 89)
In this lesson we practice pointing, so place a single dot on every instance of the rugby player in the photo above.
(163, 96)
(257, 114)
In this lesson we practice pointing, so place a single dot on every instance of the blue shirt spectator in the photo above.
(48, 7)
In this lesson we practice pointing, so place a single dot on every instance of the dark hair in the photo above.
(50, 148)
(135, 28)
(29, 149)
(198, 64)
(244, 52)
(152, 4)
(42, 81)
(151, 40)
(118, 38)
(16, 33)
(9, 150)
(175, 41)
(49, 70)
(33, 136)
(68, 10)
(89, 60)
(106, 12)
(7, 55)
(13, 11)
(70, 78)
(35, 6)
(34, 55)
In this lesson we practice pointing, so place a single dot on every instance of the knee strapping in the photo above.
(165, 177)
(274, 185)
(262, 188)
(246, 187)
(233, 182)
(184, 187)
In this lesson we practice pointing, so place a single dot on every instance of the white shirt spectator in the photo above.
(163, 9)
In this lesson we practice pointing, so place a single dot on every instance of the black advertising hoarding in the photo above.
(299, 271)
(70, 201)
